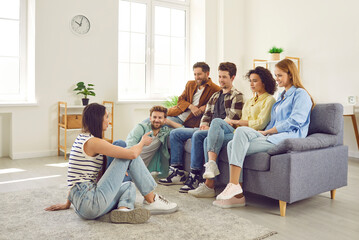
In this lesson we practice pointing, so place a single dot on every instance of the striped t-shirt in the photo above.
(82, 168)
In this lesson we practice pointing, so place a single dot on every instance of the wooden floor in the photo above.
(318, 217)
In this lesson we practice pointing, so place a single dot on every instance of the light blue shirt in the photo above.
(290, 115)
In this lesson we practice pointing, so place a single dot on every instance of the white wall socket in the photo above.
(352, 99)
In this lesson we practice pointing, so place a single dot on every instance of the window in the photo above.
(153, 46)
(13, 57)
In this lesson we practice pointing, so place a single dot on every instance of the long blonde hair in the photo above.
(288, 66)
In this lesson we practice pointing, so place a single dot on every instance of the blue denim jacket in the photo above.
(290, 115)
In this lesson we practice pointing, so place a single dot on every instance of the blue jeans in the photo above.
(246, 141)
(92, 200)
(178, 138)
(119, 143)
(219, 134)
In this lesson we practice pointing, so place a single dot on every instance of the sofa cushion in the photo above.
(314, 141)
(326, 118)
(258, 161)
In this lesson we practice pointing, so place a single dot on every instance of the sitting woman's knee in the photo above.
(120, 143)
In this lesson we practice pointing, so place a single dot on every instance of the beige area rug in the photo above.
(22, 217)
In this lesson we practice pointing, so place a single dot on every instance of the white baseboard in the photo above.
(39, 154)
(354, 154)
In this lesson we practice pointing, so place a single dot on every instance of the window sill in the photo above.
(19, 104)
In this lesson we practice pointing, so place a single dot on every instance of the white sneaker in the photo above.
(202, 191)
(230, 191)
(211, 170)
(160, 206)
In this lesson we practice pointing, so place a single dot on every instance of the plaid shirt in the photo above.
(233, 104)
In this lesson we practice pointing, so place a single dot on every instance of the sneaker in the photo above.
(230, 191)
(176, 177)
(160, 206)
(211, 170)
(230, 203)
(191, 183)
(137, 215)
(202, 191)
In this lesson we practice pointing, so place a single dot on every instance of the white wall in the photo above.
(62, 59)
(324, 34)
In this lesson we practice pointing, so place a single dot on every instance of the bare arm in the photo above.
(59, 206)
(96, 146)
(172, 124)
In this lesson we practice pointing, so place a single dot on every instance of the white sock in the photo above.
(212, 161)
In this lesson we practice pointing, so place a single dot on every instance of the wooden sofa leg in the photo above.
(282, 208)
(332, 194)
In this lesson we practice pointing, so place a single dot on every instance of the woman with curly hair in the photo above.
(290, 118)
(255, 114)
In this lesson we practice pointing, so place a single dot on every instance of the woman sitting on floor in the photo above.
(94, 191)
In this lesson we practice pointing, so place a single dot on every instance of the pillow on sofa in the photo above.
(314, 141)
(326, 118)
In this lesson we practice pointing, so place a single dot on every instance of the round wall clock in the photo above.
(80, 24)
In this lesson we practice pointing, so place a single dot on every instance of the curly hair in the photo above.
(229, 67)
(158, 109)
(266, 77)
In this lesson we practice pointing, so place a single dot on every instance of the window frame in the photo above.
(150, 47)
(26, 94)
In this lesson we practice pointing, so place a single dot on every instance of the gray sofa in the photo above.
(296, 168)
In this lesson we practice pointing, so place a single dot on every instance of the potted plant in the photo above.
(275, 53)
(86, 91)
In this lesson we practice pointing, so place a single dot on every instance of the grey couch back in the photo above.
(327, 118)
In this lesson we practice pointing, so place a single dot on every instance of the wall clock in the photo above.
(80, 24)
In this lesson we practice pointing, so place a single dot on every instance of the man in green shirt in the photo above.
(156, 155)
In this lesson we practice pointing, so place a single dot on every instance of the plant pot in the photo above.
(274, 56)
(85, 101)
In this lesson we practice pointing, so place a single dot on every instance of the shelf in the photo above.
(63, 110)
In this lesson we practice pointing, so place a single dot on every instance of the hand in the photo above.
(81, 21)
(263, 132)
(195, 110)
(204, 127)
(57, 207)
(78, 23)
(203, 108)
(146, 140)
(230, 122)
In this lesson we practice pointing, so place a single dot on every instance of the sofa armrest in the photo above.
(313, 141)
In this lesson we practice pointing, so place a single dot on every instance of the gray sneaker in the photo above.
(203, 191)
(137, 215)
(160, 206)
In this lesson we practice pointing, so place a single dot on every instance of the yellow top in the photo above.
(257, 111)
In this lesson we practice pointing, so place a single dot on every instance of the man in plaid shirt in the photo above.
(225, 104)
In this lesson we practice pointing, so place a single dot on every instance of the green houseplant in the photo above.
(86, 91)
(171, 102)
(275, 53)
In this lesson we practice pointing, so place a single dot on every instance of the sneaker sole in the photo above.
(201, 196)
(159, 212)
(172, 183)
(211, 175)
(229, 206)
(138, 215)
(184, 190)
